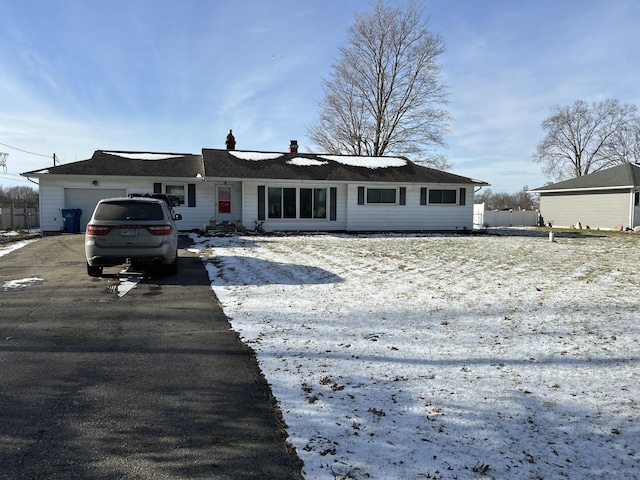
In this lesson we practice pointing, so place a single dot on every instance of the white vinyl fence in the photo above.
(503, 218)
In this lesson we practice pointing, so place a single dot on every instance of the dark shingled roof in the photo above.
(254, 165)
(627, 175)
(137, 164)
(226, 164)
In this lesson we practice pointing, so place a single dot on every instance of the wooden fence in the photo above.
(19, 216)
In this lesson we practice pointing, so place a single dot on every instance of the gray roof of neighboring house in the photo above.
(135, 164)
(237, 164)
(311, 166)
(626, 175)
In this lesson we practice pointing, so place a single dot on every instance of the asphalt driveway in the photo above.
(122, 378)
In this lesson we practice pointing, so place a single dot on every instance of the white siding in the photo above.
(250, 209)
(52, 198)
(353, 217)
(349, 215)
(198, 216)
(596, 210)
(249, 204)
(412, 216)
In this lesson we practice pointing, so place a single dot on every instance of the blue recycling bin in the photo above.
(71, 219)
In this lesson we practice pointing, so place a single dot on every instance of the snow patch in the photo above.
(306, 162)
(255, 156)
(19, 284)
(144, 156)
(5, 250)
(367, 162)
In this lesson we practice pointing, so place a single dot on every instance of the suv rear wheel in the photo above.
(94, 271)
(172, 268)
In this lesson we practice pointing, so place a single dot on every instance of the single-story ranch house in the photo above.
(604, 199)
(280, 191)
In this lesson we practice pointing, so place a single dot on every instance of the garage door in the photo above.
(86, 200)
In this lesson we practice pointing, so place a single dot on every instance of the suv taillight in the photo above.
(160, 229)
(97, 230)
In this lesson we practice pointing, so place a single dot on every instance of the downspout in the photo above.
(632, 209)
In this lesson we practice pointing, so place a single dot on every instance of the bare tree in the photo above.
(385, 93)
(521, 200)
(583, 138)
(18, 194)
(625, 144)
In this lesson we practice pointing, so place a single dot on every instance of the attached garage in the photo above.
(86, 200)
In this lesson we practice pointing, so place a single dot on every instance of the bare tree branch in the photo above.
(385, 94)
(583, 138)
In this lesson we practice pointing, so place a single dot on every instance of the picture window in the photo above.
(443, 197)
(381, 195)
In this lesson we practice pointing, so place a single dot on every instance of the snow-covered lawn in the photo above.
(408, 357)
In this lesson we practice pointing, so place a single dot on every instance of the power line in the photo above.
(25, 151)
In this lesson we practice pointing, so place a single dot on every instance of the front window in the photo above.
(381, 195)
(447, 197)
(313, 203)
(176, 192)
(297, 203)
(281, 202)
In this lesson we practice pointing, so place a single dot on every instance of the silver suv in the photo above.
(137, 231)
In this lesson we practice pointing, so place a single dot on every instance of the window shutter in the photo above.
(403, 195)
(157, 188)
(333, 208)
(360, 195)
(191, 195)
(463, 196)
(423, 196)
(261, 212)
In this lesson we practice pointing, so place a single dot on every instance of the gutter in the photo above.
(589, 189)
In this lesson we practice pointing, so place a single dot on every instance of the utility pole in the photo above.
(3, 161)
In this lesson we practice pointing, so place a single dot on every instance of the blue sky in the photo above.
(175, 76)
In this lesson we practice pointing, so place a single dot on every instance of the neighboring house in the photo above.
(602, 199)
(282, 191)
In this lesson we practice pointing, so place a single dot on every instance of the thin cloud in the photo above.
(176, 76)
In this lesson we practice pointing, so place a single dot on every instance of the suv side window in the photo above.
(128, 210)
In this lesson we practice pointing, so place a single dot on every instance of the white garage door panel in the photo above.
(86, 200)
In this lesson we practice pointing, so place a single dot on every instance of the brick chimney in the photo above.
(293, 146)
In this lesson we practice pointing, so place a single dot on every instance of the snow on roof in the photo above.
(368, 162)
(354, 161)
(255, 156)
(306, 162)
(144, 156)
